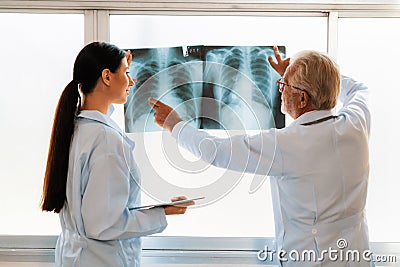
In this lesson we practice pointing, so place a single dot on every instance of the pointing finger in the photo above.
(277, 54)
(154, 103)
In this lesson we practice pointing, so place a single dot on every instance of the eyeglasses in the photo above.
(281, 85)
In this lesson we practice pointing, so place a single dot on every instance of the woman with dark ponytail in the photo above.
(91, 176)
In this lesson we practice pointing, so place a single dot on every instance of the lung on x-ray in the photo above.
(211, 87)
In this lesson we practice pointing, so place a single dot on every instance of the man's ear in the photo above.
(303, 99)
(106, 76)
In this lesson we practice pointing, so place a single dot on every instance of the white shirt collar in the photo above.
(100, 117)
(96, 115)
(312, 116)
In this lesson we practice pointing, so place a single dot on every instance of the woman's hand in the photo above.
(281, 66)
(164, 115)
(128, 57)
(180, 209)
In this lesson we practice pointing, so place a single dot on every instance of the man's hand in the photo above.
(281, 66)
(164, 115)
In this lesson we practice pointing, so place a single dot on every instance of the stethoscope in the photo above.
(320, 120)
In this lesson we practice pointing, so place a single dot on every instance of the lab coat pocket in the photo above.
(131, 249)
(103, 253)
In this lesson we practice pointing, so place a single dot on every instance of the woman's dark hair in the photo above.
(88, 67)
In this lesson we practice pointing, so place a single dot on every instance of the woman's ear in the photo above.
(106, 76)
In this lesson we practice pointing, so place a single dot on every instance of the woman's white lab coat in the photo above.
(98, 229)
(318, 174)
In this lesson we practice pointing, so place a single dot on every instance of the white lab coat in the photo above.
(98, 229)
(318, 174)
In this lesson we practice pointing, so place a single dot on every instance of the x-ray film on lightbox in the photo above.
(212, 87)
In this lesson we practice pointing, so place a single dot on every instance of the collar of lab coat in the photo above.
(313, 115)
(96, 115)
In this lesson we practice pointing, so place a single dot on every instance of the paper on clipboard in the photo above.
(173, 203)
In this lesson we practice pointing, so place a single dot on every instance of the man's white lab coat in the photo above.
(318, 174)
(98, 228)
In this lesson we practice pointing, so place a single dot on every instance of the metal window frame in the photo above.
(206, 5)
(171, 250)
(156, 249)
(190, 250)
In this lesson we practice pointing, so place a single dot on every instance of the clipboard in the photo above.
(173, 203)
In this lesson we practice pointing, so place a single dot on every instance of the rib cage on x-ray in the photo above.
(162, 74)
(243, 85)
(213, 87)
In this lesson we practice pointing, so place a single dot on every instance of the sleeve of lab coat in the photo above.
(354, 96)
(257, 154)
(104, 203)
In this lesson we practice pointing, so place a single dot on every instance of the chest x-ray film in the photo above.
(211, 87)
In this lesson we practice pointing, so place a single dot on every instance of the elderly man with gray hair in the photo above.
(318, 165)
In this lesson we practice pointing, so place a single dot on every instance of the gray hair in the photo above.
(319, 75)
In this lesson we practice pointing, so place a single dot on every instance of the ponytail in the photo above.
(88, 66)
(55, 179)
